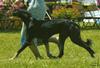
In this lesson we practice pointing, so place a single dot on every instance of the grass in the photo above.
(74, 56)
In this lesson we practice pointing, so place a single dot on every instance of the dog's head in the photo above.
(23, 14)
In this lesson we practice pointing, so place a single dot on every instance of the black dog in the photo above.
(44, 29)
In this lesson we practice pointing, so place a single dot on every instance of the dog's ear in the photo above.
(27, 14)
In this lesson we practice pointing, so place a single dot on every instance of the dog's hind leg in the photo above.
(62, 38)
(48, 49)
(77, 40)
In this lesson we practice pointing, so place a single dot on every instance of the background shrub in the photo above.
(65, 12)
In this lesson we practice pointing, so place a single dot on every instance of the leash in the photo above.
(48, 16)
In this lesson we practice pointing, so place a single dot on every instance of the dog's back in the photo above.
(47, 28)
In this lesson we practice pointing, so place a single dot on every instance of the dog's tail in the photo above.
(89, 42)
(77, 25)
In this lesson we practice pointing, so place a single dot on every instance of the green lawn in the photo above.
(74, 56)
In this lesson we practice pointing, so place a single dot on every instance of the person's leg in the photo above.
(23, 34)
(33, 48)
(35, 51)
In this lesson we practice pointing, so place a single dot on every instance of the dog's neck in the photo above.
(35, 21)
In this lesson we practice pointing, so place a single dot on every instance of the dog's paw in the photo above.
(12, 58)
(40, 57)
(52, 57)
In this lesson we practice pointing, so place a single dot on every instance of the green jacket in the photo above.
(37, 8)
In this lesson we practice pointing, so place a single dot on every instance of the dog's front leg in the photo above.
(34, 49)
(20, 50)
(48, 50)
(62, 37)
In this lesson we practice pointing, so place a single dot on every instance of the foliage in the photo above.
(50, 3)
(7, 24)
(90, 7)
(1, 15)
(67, 12)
